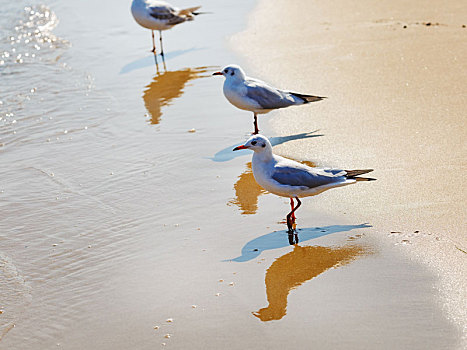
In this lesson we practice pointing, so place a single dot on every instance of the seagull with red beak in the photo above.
(287, 178)
(256, 96)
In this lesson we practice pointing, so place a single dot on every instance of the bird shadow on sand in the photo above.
(148, 61)
(226, 154)
(281, 239)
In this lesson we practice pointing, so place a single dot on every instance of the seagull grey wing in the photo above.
(266, 96)
(292, 176)
(164, 13)
(177, 20)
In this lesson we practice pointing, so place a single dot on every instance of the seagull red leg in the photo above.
(255, 123)
(298, 205)
(162, 48)
(291, 215)
(292, 209)
(153, 43)
(154, 50)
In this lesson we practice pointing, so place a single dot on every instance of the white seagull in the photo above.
(159, 15)
(255, 95)
(287, 178)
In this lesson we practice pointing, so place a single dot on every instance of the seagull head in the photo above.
(232, 72)
(257, 143)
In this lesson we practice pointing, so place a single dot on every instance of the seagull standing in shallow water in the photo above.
(287, 178)
(159, 15)
(256, 96)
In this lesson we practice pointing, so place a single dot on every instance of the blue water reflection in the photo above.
(226, 154)
(280, 239)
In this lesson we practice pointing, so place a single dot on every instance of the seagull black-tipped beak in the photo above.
(240, 147)
(217, 73)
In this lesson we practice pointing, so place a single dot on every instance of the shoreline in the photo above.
(354, 56)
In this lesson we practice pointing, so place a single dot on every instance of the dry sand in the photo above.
(395, 74)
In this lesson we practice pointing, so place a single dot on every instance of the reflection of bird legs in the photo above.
(154, 51)
(293, 238)
(255, 123)
(291, 215)
(162, 49)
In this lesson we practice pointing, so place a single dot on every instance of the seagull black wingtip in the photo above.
(308, 98)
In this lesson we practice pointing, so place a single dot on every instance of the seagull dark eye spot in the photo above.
(253, 143)
(263, 145)
(232, 73)
(226, 71)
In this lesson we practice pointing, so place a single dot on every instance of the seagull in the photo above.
(256, 96)
(159, 15)
(288, 178)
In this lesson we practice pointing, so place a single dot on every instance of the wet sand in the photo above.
(395, 79)
(128, 222)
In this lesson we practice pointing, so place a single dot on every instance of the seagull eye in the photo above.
(263, 145)
(253, 143)
(226, 71)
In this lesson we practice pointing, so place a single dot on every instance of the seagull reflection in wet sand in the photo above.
(247, 190)
(295, 268)
(166, 87)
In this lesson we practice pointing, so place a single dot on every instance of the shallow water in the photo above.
(122, 202)
(86, 178)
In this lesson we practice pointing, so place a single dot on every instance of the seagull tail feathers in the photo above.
(308, 98)
(352, 174)
(189, 11)
(201, 13)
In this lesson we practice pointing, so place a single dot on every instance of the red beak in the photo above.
(240, 147)
(217, 73)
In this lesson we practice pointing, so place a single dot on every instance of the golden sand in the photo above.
(394, 73)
